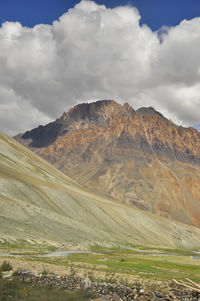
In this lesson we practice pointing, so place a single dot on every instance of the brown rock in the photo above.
(116, 297)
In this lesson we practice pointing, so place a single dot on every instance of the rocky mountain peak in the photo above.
(128, 109)
(88, 109)
(93, 112)
(149, 111)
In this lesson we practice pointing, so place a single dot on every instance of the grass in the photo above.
(16, 290)
(135, 265)
(134, 249)
(147, 267)
(22, 248)
(123, 265)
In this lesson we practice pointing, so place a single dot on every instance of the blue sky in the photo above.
(155, 13)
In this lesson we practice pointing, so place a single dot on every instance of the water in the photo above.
(62, 253)
(52, 254)
(66, 253)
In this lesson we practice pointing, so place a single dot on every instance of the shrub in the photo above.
(44, 272)
(91, 274)
(16, 273)
(6, 266)
(122, 259)
(72, 273)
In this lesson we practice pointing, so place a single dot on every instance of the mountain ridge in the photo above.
(138, 157)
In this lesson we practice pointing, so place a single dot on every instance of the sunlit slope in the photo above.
(40, 204)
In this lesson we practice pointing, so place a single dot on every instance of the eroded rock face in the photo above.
(138, 157)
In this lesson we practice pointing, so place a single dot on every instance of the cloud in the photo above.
(93, 52)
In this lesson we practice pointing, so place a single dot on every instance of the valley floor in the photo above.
(149, 267)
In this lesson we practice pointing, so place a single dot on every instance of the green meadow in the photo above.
(116, 264)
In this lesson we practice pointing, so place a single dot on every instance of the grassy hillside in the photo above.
(39, 204)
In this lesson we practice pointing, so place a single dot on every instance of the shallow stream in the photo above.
(66, 253)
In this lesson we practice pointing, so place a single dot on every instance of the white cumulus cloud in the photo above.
(91, 53)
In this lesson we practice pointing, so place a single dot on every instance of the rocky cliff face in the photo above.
(138, 157)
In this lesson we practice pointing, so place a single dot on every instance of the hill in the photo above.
(39, 204)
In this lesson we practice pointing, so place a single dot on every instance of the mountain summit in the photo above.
(136, 156)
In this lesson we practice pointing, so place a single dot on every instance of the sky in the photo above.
(57, 53)
(154, 13)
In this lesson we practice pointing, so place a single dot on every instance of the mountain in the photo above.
(137, 157)
(39, 204)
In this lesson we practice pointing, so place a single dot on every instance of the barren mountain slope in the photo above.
(138, 157)
(40, 204)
